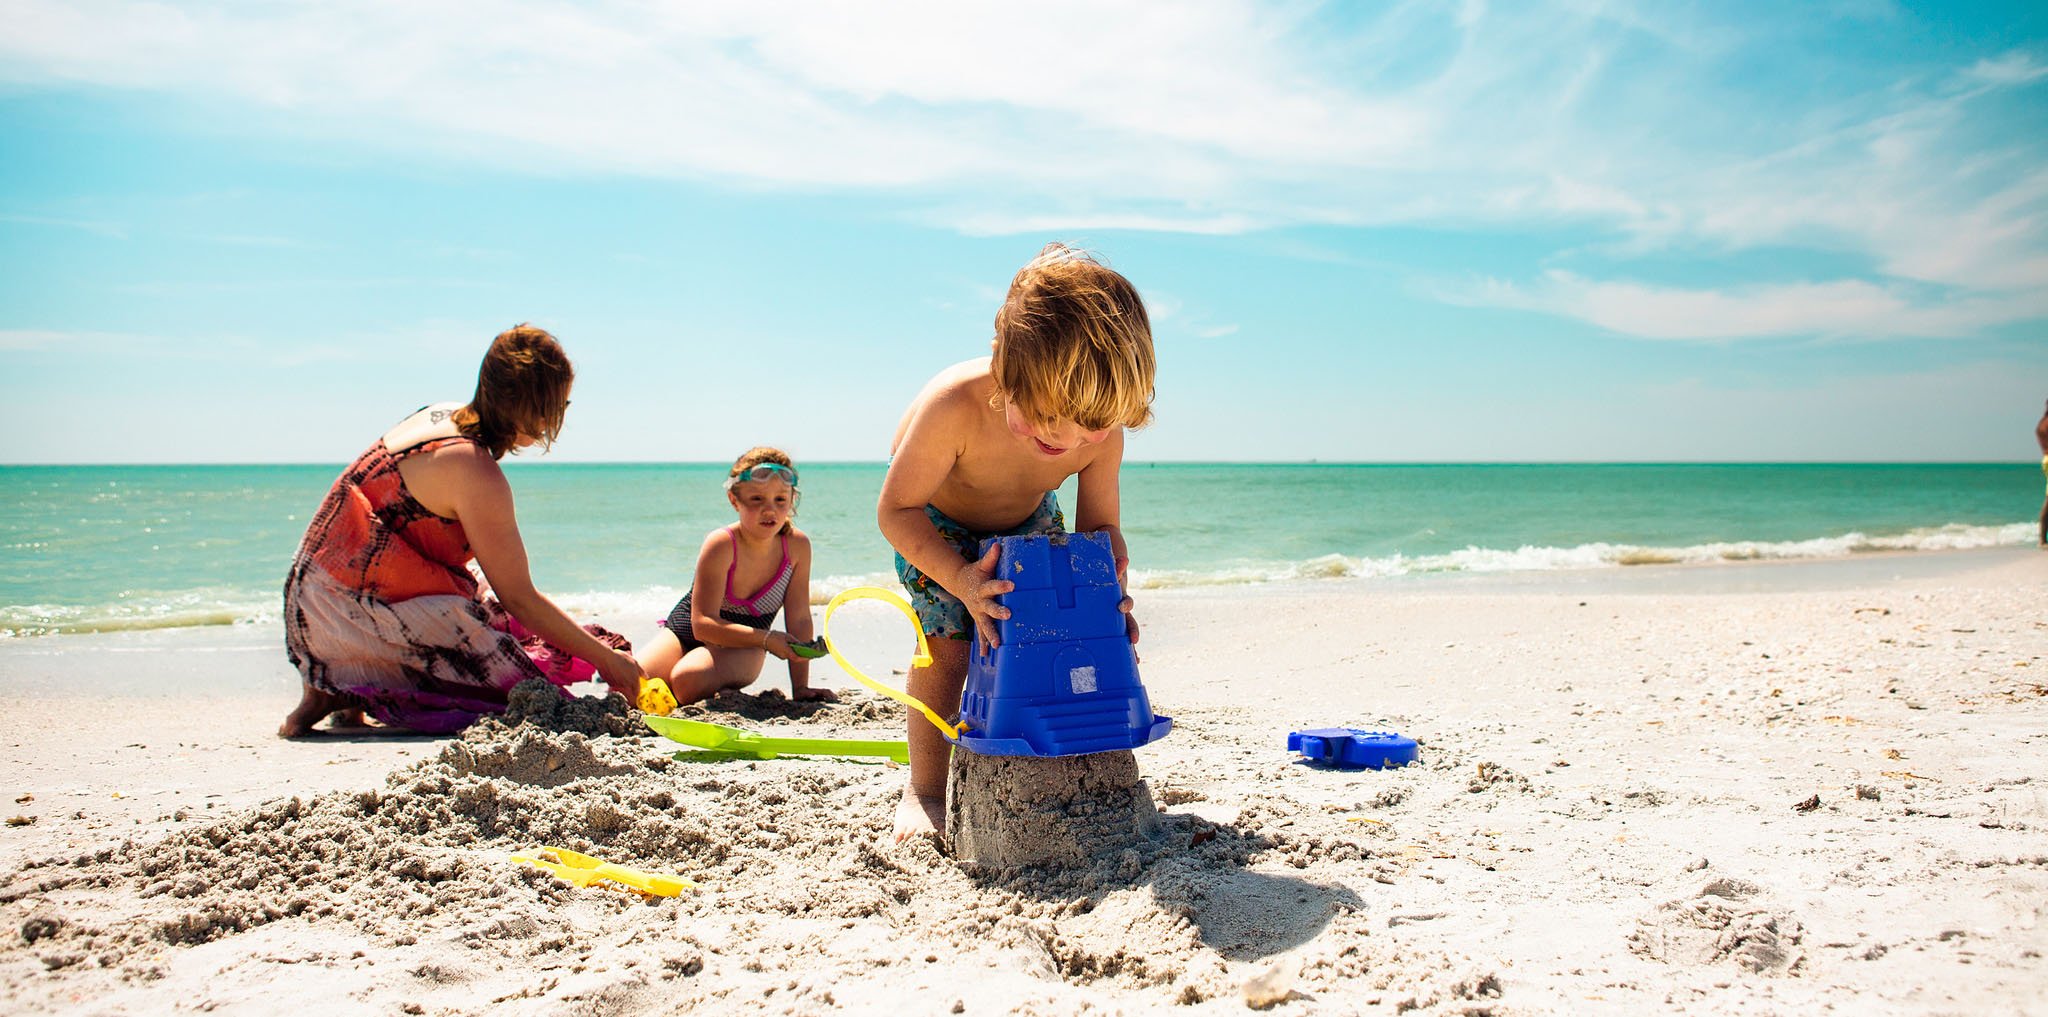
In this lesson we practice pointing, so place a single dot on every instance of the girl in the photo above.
(718, 634)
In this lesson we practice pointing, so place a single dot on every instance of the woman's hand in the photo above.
(777, 645)
(976, 586)
(810, 694)
(621, 673)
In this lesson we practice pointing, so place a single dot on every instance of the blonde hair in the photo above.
(522, 386)
(1073, 343)
(767, 454)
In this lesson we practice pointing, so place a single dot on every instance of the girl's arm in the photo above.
(707, 595)
(796, 615)
(471, 483)
(1099, 509)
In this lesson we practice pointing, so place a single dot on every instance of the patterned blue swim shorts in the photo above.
(941, 614)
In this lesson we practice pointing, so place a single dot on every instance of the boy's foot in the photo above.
(314, 706)
(920, 816)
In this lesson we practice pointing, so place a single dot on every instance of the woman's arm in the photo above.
(466, 479)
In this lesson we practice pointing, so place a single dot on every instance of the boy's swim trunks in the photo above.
(940, 613)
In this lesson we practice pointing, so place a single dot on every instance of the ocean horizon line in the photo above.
(1402, 463)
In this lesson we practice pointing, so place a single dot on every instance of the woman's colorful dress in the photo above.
(382, 609)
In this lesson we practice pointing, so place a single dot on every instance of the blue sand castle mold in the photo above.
(1064, 682)
(1349, 748)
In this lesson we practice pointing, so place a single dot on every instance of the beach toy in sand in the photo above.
(742, 743)
(1349, 748)
(584, 870)
(655, 697)
(1064, 679)
(923, 657)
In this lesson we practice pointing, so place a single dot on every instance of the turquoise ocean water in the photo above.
(97, 548)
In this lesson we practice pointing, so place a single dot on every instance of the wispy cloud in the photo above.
(258, 240)
(1843, 308)
(418, 342)
(46, 340)
(1639, 130)
(105, 229)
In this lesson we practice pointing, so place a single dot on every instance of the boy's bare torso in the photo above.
(997, 479)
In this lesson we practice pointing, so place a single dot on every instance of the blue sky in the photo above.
(255, 232)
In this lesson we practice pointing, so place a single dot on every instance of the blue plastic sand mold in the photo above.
(1064, 681)
(1349, 748)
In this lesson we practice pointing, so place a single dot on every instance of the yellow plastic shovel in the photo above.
(584, 870)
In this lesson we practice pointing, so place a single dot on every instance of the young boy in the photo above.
(982, 451)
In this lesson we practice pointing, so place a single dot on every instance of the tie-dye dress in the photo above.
(382, 609)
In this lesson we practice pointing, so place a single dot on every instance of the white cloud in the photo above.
(30, 340)
(1844, 308)
(104, 229)
(419, 342)
(2007, 69)
(1214, 117)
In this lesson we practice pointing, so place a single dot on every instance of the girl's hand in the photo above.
(777, 645)
(621, 674)
(976, 586)
(811, 694)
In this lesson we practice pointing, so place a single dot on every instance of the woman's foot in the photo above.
(314, 706)
(920, 816)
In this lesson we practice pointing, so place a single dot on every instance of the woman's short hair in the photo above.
(521, 388)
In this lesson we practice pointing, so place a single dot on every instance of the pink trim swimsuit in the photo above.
(757, 611)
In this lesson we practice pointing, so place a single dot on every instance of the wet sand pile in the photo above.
(1008, 811)
(792, 857)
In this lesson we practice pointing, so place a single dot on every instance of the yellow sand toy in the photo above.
(584, 870)
(655, 697)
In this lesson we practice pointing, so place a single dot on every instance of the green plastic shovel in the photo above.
(739, 742)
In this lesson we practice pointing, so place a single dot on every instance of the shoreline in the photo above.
(1733, 575)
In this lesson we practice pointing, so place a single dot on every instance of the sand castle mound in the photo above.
(798, 882)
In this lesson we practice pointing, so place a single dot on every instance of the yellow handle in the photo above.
(923, 658)
(583, 870)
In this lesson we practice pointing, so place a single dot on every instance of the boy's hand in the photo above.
(1123, 566)
(976, 586)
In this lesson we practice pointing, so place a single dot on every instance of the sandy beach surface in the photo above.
(1757, 788)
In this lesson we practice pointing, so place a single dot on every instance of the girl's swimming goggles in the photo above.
(763, 471)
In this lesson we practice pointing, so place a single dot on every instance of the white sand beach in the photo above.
(1743, 789)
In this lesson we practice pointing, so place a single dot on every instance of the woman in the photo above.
(381, 610)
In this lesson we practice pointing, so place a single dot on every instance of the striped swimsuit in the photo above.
(757, 611)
